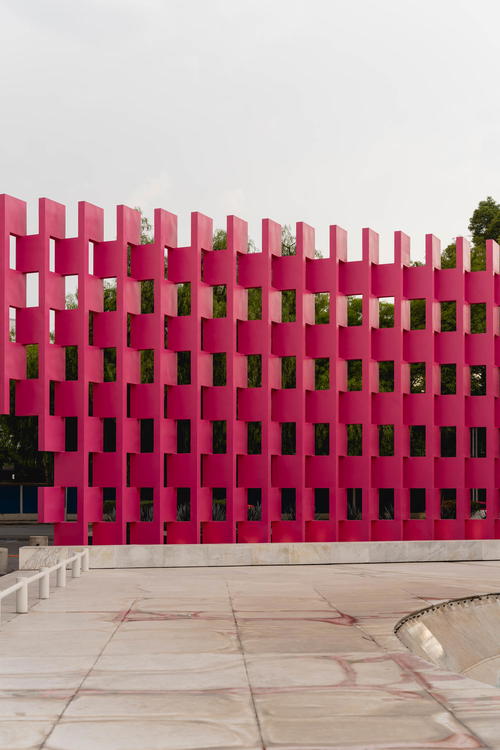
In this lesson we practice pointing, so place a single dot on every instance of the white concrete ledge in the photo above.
(301, 553)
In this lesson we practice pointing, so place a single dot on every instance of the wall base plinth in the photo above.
(281, 553)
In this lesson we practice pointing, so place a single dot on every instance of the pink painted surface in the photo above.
(163, 470)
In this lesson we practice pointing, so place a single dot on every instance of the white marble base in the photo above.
(301, 553)
(243, 658)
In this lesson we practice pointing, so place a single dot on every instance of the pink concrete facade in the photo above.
(301, 496)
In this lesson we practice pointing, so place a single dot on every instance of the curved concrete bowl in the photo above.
(462, 635)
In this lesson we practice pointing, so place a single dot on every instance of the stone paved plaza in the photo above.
(285, 657)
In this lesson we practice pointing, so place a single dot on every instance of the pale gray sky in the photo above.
(381, 113)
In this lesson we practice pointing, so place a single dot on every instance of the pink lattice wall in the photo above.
(321, 491)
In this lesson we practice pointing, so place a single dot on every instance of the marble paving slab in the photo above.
(240, 658)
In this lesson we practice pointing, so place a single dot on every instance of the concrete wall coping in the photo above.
(293, 553)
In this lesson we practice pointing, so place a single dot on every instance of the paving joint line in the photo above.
(87, 673)
(243, 656)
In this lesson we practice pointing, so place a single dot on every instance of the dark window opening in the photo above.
(254, 504)
(354, 500)
(254, 438)
(109, 503)
(71, 434)
(129, 260)
(129, 328)
(254, 370)
(218, 503)
(70, 501)
(147, 435)
(417, 440)
(478, 442)
(448, 442)
(386, 439)
(417, 503)
(147, 366)
(288, 372)
(71, 362)
(322, 439)
(146, 503)
(109, 434)
(386, 377)
(219, 436)
(52, 398)
(478, 317)
(183, 436)
(321, 504)
(219, 376)
(448, 379)
(183, 504)
(109, 364)
(448, 503)
(386, 504)
(288, 504)
(288, 438)
(354, 439)
(288, 306)
(184, 368)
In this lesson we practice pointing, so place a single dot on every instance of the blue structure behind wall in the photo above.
(23, 499)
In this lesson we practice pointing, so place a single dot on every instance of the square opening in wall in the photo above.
(321, 308)
(354, 503)
(354, 310)
(32, 289)
(417, 503)
(71, 292)
(417, 314)
(478, 503)
(146, 503)
(321, 504)
(183, 504)
(386, 312)
(288, 504)
(109, 293)
(109, 504)
(386, 504)
(448, 503)
(254, 504)
(219, 503)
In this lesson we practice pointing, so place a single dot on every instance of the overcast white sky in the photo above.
(381, 113)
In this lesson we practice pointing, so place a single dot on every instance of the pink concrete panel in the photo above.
(242, 496)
